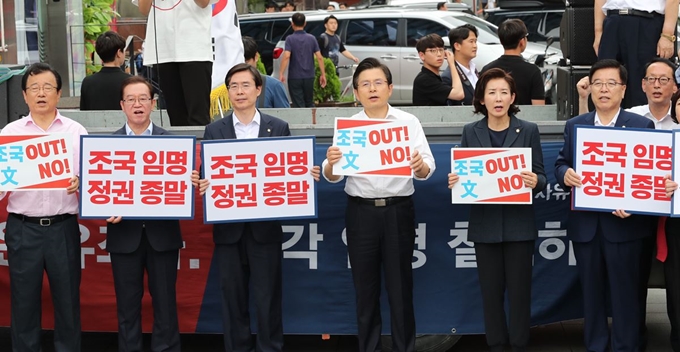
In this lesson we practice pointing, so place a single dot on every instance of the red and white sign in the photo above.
(374, 147)
(143, 177)
(30, 162)
(259, 179)
(490, 175)
(622, 168)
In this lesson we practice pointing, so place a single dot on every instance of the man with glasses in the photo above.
(609, 247)
(42, 232)
(249, 253)
(380, 220)
(428, 88)
(137, 246)
(659, 86)
(513, 35)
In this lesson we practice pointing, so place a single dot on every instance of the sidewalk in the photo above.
(559, 337)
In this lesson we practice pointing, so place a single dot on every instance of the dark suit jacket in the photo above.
(495, 223)
(582, 225)
(101, 91)
(125, 236)
(263, 231)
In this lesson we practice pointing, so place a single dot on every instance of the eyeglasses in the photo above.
(142, 100)
(244, 86)
(48, 88)
(609, 84)
(435, 51)
(378, 83)
(662, 80)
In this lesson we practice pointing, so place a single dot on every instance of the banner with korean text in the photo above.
(30, 162)
(622, 168)
(374, 147)
(137, 177)
(675, 200)
(318, 294)
(259, 179)
(490, 175)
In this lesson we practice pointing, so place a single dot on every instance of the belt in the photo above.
(379, 202)
(631, 12)
(43, 221)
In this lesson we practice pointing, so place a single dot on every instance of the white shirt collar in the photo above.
(147, 132)
(256, 119)
(598, 122)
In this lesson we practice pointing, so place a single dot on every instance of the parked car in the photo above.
(391, 36)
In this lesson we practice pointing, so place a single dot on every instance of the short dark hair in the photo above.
(674, 102)
(343, 4)
(440, 5)
(609, 63)
(108, 45)
(244, 67)
(249, 47)
(289, 3)
(331, 17)
(38, 68)
(298, 19)
(367, 64)
(135, 80)
(432, 40)
(511, 32)
(269, 5)
(460, 33)
(480, 88)
(669, 63)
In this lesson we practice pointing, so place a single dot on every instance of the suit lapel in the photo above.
(482, 133)
(265, 126)
(227, 129)
(514, 130)
(622, 120)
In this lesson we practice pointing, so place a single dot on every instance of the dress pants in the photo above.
(186, 89)
(382, 237)
(301, 92)
(501, 266)
(33, 249)
(632, 41)
(245, 264)
(671, 268)
(647, 256)
(128, 280)
(614, 268)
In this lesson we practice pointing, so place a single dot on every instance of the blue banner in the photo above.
(318, 292)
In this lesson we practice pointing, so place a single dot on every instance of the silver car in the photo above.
(391, 36)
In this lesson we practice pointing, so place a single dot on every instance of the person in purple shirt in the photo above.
(301, 49)
(42, 232)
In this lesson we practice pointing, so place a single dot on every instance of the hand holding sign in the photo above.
(315, 172)
(418, 166)
(572, 179)
(530, 179)
(74, 184)
(671, 186)
(453, 179)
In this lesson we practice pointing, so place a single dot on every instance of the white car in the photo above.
(391, 35)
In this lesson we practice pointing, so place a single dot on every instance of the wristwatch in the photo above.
(669, 37)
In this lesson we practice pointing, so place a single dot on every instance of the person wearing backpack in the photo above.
(330, 44)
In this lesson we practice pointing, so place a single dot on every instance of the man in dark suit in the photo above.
(608, 246)
(101, 90)
(144, 245)
(249, 253)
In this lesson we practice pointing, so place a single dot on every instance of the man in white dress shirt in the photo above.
(380, 220)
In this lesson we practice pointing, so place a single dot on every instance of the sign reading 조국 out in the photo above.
(490, 175)
(622, 168)
(137, 177)
(259, 179)
(30, 162)
(374, 147)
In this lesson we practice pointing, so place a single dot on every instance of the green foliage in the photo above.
(260, 66)
(97, 15)
(332, 90)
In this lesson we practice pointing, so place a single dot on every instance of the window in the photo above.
(418, 28)
(372, 32)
